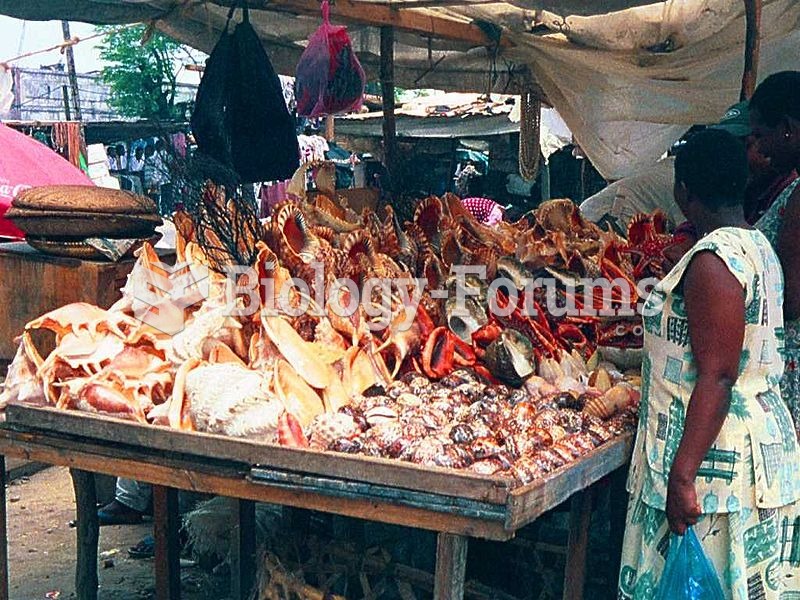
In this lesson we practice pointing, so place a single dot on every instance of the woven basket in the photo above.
(77, 225)
(73, 249)
(84, 199)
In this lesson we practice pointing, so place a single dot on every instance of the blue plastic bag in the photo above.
(688, 573)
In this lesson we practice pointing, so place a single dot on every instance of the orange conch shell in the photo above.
(295, 394)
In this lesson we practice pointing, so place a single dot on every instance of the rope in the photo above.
(66, 44)
(529, 134)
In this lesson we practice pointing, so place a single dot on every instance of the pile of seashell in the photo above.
(459, 422)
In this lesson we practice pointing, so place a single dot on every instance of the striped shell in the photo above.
(610, 403)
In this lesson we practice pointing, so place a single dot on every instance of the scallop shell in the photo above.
(613, 401)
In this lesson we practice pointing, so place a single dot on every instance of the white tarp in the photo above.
(628, 84)
(626, 105)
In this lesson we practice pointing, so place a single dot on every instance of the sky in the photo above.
(19, 37)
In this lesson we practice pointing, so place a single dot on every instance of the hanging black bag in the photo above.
(240, 117)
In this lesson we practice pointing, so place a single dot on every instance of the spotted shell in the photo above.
(327, 427)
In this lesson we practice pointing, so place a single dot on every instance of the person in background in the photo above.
(150, 173)
(122, 158)
(111, 153)
(775, 118)
(464, 178)
(164, 165)
(715, 446)
(136, 165)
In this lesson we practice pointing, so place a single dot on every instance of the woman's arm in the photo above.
(715, 310)
(789, 252)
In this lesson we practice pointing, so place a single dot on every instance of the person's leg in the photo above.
(131, 501)
(134, 494)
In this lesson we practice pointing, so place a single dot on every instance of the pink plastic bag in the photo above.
(330, 79)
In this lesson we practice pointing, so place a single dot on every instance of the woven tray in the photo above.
(73, 249)
(83, 198)
(76, 225)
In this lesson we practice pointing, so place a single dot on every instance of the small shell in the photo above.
(462, 433)
(485, 447)
(408, 399)
(600, 379)
(327, 427)
(550, 370)
(613, 401)
(346, 445)
(527, 470)
(380, 414)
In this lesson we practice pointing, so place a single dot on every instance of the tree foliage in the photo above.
(142, 72)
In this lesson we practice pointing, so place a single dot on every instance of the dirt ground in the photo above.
(42, 548)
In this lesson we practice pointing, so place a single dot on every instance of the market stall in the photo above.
(467, 421)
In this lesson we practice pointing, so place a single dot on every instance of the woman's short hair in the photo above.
(778, 97)
(712, 164)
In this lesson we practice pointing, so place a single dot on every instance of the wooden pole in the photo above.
(65, 97)
(451, 566)
(387, 90)
(166, 531)
(87, 532)
(3, 532)
(73, 78)
(330, 128)
(752, 47)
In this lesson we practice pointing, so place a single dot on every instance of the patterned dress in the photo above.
(770, 225)
(749, 483)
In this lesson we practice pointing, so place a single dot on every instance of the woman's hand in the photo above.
(682, 507)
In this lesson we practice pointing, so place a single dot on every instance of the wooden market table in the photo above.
(50, 282)
(454, 504)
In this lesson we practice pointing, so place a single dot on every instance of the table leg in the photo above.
(580, 515)
(618, 507)
(166, 531)
(3, 532)
(243, 563)
(88, 532)
(451, 566)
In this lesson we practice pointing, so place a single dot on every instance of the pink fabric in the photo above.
(271, 195)
(25, 163)
(485, 210)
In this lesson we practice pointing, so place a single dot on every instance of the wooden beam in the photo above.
(87, 532)
(3, 532)
(403, 4)
(752, 47)
(166, 531)
(451, 566)
(382, 15)
(387, 91)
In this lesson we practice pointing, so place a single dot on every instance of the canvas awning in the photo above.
(627, 83)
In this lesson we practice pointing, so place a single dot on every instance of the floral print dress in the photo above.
(770, 225)
(748, 486)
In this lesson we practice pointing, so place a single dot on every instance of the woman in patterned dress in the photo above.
(775, 120)
(715, 447)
